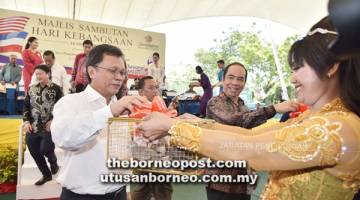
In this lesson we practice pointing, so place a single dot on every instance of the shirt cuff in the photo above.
(101, 117)
(270, 111)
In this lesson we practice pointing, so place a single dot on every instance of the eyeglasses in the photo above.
(114, 72)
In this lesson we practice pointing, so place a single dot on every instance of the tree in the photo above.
(256, 55)
(180, 79)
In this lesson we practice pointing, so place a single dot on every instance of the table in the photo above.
(8, 102)
(189, 106)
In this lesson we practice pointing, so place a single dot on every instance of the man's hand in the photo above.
(13, 83)
(27, 127)
(126, 102)
(188, 116)
(286, 106)
(72, 83)
(47, 126)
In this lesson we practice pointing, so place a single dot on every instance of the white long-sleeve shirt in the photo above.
(58, 76)
(79, 128)
(157, 73)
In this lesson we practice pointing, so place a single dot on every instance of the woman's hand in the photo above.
(155, 126)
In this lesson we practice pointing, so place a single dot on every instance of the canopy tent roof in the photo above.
(141, 14)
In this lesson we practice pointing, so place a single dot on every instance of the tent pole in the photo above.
(74, 9)
(284, 93)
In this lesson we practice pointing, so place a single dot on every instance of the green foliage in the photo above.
(255, 53)
(257, 56)
(8, 164)
(180, 79)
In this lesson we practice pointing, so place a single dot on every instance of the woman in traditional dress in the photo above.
(313, 156)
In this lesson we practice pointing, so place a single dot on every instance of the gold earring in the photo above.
(329, 75)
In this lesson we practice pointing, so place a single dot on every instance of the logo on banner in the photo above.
(148, 44)
(148, 38)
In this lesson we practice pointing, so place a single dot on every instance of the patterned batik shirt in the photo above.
(39, 103)
(225, 111)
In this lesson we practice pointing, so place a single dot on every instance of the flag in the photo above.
(12, 36)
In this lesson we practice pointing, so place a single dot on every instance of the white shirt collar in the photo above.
(54, 65)
(93, 95)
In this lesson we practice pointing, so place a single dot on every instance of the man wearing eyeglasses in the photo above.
(79, 127)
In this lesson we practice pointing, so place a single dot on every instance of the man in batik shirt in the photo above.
(228, 108)
(38, 106)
